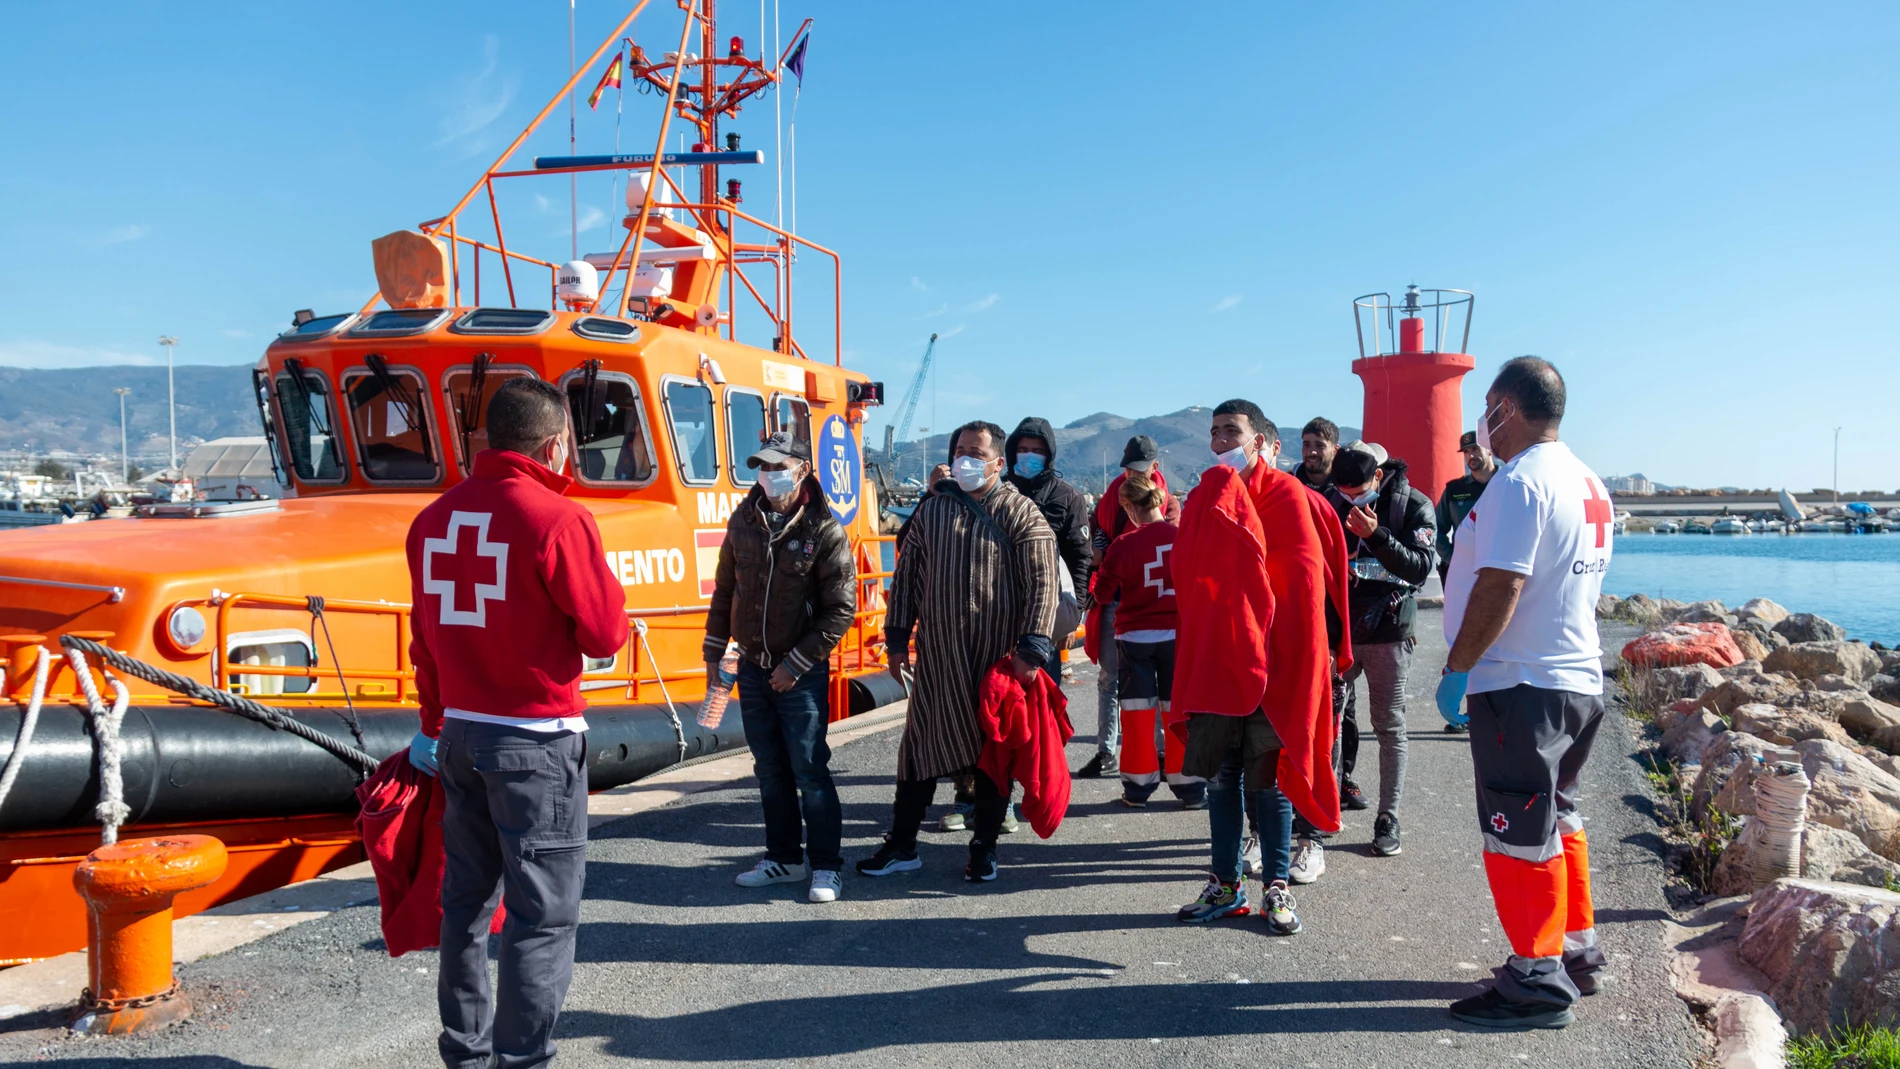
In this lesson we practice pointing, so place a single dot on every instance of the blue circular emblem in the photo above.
(840, 469)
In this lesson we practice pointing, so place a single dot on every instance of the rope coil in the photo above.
(1781, 815)
(270, 716)
(105, 724)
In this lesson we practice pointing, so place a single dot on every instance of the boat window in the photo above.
(320, 327)
(504, 321)
(794, 415)
(689, 405)
(390, 419)
(399, 322)
(274, 442)
(745, 429)
(610, 428)
(284, 649)
(602, 329)
(309, 421)
(466, 392)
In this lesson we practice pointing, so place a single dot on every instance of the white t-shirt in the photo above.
(1546, 517)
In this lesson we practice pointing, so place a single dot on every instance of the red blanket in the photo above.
(401, 825)
(1024, 735)
(1223, 603)
(1332, 538)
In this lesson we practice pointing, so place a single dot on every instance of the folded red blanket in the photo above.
(1025, 733)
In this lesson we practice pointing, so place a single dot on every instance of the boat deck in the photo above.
(1071, 958)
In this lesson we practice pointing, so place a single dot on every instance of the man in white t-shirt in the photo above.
(1520, 612)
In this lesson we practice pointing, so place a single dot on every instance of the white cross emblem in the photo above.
(497, 551)
(1148, 570)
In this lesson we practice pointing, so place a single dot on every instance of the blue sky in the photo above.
(1688, 207)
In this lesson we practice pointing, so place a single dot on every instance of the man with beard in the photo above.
(1319, 440)
(1462, 493)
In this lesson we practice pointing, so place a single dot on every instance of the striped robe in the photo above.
(970, 598)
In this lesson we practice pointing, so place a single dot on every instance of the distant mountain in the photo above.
(1090, 449)
(75, 409)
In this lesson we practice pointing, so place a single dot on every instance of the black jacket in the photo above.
(786, 596)
(1062, 505)
(1456, 501)
(1405, 545)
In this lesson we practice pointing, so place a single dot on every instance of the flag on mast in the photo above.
(611, 78)
(796, 61)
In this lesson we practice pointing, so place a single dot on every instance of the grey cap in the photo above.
(1378, 451)
(779, 448)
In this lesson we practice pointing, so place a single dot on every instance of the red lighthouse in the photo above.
(1412, 403)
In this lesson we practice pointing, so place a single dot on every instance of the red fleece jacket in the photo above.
(1332, 538)
(510, 587)
(1297, 691)
(1024, 735)
(401, 825)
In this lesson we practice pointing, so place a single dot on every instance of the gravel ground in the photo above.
(1071, 958)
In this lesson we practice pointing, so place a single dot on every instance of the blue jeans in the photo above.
(1108, 706)
(786, 733)
(1226, 800)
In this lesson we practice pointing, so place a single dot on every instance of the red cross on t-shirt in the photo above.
(1596, 510)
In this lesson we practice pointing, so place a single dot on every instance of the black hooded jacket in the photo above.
(1062, 505)
(1405, 546)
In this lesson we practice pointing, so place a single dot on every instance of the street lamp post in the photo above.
(125, 464)
(171, 393)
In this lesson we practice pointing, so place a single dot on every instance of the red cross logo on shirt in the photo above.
(1596, 509)
(447, 577)
(1499, 822)
(1148, 570)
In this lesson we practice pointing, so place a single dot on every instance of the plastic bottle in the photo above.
(713, 709)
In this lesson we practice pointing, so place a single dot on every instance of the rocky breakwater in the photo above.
(1741, 695)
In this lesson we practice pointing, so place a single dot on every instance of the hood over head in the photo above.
(1030, 427)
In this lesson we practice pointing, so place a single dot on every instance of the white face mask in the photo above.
(1484, 427)
(970, 473)
(777, 484)
(1235, 458)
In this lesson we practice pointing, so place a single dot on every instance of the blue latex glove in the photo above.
(1451, 697)
(422, 753)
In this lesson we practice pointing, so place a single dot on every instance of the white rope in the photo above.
(111, 809)
(1781, 814)
(27, 723)
(679, 731)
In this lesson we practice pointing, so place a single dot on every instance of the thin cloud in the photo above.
(232, 333)
(590, 219)
(541, 203)
(984, 305)
(1226, 302)
(952, 332)
(918, 284)
(935, 312)
(43, 354)
(119, 235)
(479, 100)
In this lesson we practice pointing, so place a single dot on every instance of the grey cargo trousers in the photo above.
(514, 830)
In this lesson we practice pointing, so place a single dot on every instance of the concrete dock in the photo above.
(1072, 958)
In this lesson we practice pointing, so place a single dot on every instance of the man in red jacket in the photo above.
(511, 589)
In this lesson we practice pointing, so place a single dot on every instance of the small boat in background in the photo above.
(1729, 525)
(1695, 527)
(1667, 527)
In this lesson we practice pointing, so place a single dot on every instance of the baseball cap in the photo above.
(1467, 440)
(1375, 449)
(779, 448)
(1140, 453)
(1354, 466)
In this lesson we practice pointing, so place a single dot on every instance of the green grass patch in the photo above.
(1859, 1048)
(1701, 839)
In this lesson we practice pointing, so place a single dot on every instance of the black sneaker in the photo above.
(1587, 982)
(1457, 729)
(1385, 835)
(982, 866)
(1351, 797)
(1492, 1010)
(1101, 766)
(890, 860)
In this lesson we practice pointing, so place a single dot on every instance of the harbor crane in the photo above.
(891, 434)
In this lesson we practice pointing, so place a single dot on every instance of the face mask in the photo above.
(1484, 427)
(1366, 498)
(1235, 458)
(1030, 465)
(777, 484)
(970, 473)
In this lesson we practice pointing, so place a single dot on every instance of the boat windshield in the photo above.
(689, 405)
(390, 418)
(745, 430)
(303, 402)
(611, 443)
(466, 393)
(794, 415)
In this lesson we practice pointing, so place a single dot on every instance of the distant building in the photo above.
(1638, 484)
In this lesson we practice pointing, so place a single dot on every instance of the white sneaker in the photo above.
(1250, 856)
(826, 885)
(1309, 861)
(770, 872)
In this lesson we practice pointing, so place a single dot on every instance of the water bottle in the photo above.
(713, 709)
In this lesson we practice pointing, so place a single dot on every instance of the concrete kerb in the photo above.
(55, 983)
(1726, 991)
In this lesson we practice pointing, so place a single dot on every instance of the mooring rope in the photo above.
(679, 730)
(105, 724)
(269, 716)
(27, 723)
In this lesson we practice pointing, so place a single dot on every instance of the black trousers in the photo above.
(914, 797)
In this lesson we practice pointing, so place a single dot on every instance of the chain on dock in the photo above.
(269, 716)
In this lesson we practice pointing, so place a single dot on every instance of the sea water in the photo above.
(1853, 580)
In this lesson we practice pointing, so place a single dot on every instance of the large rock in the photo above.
(1762, 610)
(1850, 793)
(1812, 660)
(1731, 752)
(1807, 627)
(1608, 606)
(1639, 609)
(1679, 644)
(1785, 727)
(1767, 689)
(1832, 681)
(1890, 660)
(1826, 854)
(1671, 685)
(1885, 686)
(1830, 951)
(1751, 645)
(1685, 742)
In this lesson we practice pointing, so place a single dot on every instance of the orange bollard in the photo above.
(128, 888)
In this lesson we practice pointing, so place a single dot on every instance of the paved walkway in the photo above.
(1071, 958)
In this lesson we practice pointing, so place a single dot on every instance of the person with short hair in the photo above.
(1461, 493)
(511, 590)
(1526, 665)
(1319, 441)
(977, 581)
(786, 591)
(1136, 574)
